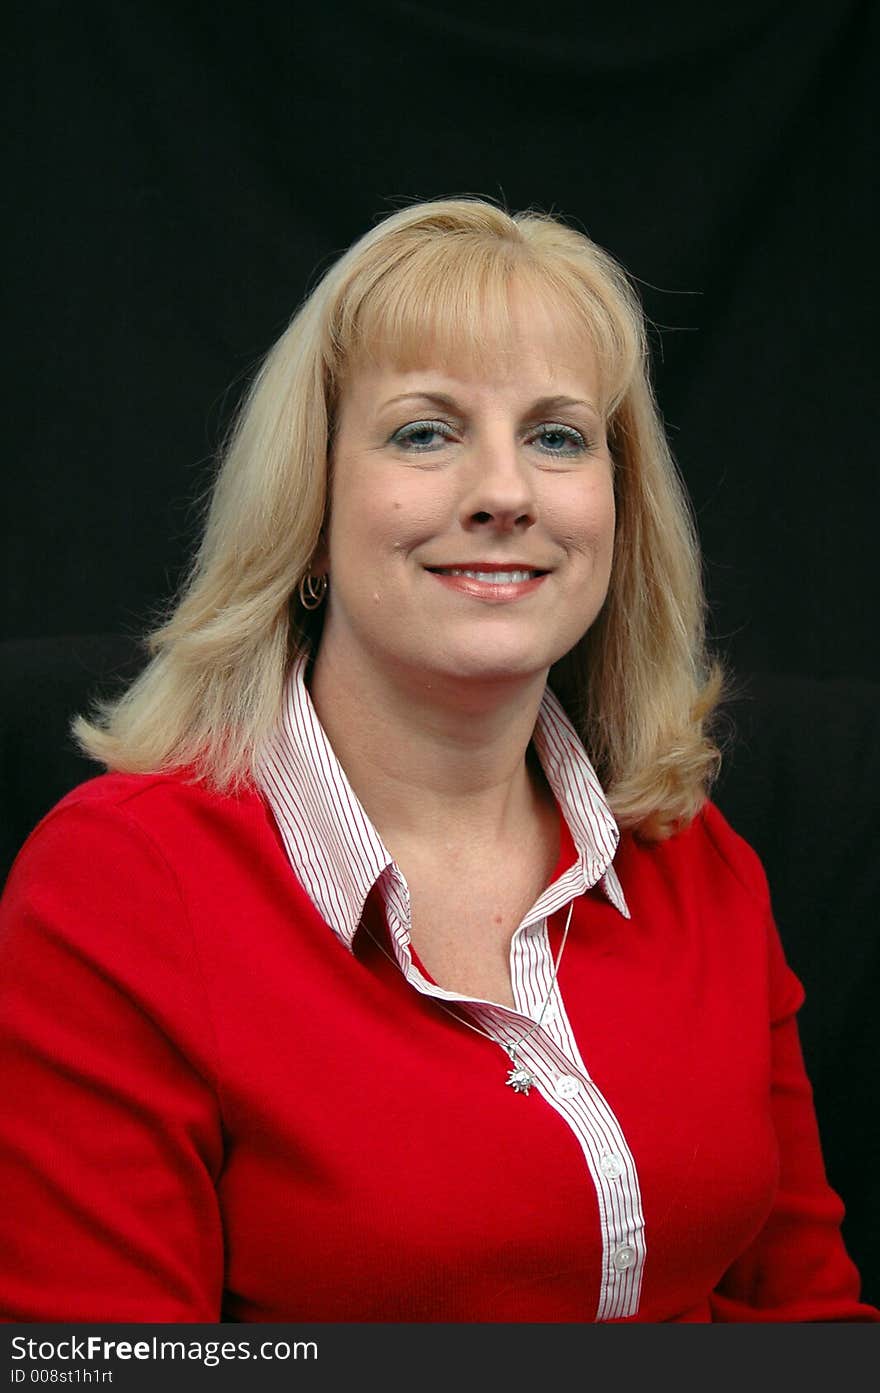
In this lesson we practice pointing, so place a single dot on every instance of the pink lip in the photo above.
(485, 590)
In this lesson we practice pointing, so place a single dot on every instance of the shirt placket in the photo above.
(550, 1053)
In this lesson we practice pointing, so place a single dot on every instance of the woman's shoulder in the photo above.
(708, 880)
(732, 850)
(146, 796)
(709, 849)
(132, 818)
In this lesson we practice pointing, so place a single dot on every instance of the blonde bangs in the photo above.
(443, 297)
(450, 303)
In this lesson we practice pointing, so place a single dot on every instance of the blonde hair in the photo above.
(428, 278)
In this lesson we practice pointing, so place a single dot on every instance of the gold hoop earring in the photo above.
(312, 590)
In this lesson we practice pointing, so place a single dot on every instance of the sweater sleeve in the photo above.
(797, 1268)
(110, 1131)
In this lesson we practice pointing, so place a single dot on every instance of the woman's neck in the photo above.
(434, 761)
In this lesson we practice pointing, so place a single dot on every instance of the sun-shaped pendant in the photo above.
(520, 1080)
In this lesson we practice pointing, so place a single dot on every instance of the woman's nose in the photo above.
(500, 492)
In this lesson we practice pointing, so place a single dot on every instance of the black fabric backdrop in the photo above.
(180, 174)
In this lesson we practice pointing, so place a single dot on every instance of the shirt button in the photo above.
(567, 1086)
(550, 1015)
(612, 1166)
(624, 1257)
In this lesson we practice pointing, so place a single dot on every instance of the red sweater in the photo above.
(210, 1107)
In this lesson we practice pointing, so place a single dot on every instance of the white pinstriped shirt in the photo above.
(338, 856)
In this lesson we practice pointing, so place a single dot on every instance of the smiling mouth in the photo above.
(514, 576)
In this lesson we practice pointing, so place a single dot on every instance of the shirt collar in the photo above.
(335, 850)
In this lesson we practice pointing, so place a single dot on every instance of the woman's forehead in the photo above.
(482, 332)
(560, 362)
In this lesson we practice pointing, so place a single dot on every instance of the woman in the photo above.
(401, 969)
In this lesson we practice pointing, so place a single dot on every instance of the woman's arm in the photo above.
(110, 1132)
(797, 1268)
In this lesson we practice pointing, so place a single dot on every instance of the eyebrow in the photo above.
(553, 403)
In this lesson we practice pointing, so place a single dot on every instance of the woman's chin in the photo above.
(473, 669)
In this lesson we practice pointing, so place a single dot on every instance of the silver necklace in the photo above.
(519, 1078)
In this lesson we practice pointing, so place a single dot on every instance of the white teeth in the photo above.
(493, 577)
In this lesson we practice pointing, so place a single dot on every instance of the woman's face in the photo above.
(437, 471)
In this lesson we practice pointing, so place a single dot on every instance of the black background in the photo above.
(177, 177)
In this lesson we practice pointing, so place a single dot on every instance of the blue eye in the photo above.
(567, 433)
(406, 435)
